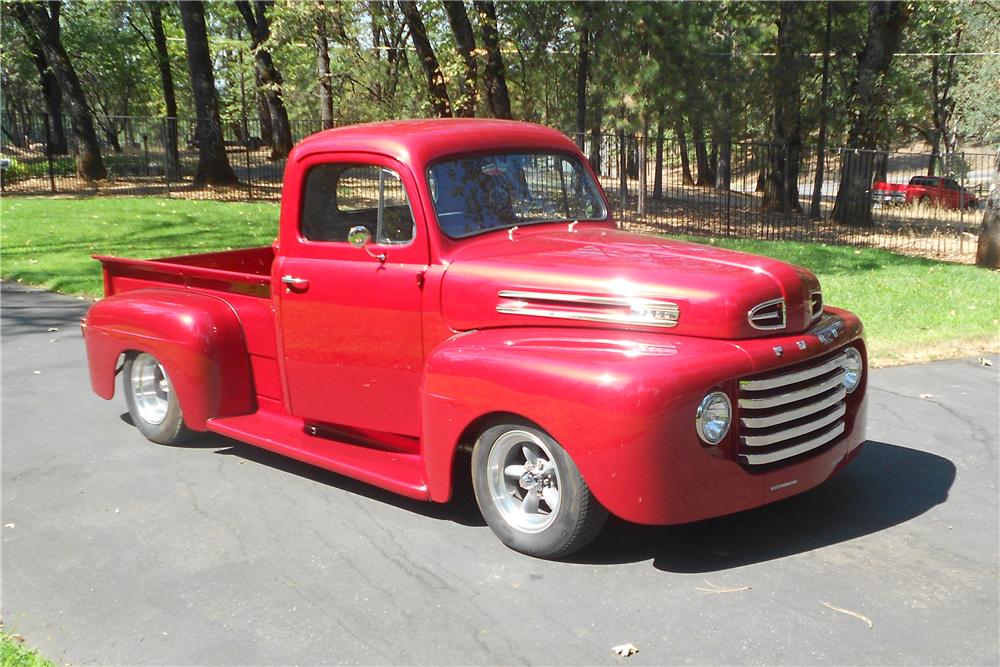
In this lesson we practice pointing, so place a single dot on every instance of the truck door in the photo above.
(350, 318)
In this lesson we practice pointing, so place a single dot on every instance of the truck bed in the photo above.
(244, 271)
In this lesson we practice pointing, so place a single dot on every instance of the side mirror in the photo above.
(360, 237)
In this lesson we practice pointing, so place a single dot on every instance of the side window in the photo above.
(338, 197)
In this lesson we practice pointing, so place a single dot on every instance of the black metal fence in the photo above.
(722, 190)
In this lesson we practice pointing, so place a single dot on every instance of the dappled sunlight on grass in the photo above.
(48, 242)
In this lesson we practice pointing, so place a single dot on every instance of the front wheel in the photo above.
(531, 493)
(152, 401)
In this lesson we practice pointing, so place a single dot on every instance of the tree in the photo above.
(988, 250)
(781, 189)
(582, 70)
(154, 14)
(323, 68)
(42, 20)
(51, 93)
(886, 21)
(495, 72)
(465, 44)
(267, 75)
(814, 206)
(440, 101)
(213, 163)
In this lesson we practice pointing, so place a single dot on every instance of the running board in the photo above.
(391, 470)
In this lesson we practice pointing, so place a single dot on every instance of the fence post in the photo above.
(48, 153)
(961, 204)
(246, 152)
(145, 154)
(167, 165)
(641, 204)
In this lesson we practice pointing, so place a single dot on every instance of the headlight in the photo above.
(713, 417)
(853, 369)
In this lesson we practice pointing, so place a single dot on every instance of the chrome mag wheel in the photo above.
(523, 481)
(150, 389)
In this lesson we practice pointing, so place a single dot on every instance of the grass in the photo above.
(48, 241)
(914, 309)
(13, 653)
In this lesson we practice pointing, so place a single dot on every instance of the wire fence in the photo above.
(704, 189)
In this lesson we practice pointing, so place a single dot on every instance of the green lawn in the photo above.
(13, 653)
(913, 309)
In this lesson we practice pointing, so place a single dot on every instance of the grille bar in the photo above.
(792, 411)
(792, 415)
(794, 432)
(792, 378)
(801, 448)
(793, 396)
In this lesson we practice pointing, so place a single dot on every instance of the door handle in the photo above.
(298, 283)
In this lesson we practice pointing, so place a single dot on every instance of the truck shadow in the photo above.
(885, 486)
(462, 509)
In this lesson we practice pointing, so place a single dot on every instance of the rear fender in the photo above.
(197, 338)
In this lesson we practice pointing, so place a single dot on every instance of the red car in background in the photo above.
(926, 191)
(938, 191)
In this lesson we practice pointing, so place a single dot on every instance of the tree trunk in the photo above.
(494, 75)
(52, 95)
(988, 250)
(817, 196)
(781, 189)
(700, 151)
(323, 69)
(213, 163)
(167, 83)
(263, 109)
(268, 77)
(432, 70)
(44, 27)
(682, 148)
(596, 139)
(582, 72)
(886, 21)
(465, 43)
(658, 169)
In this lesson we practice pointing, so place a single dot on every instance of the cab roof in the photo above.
(420, 142)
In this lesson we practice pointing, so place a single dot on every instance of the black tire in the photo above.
(502, 494)
(168, 429)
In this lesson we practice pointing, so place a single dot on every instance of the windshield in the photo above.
(474, 194)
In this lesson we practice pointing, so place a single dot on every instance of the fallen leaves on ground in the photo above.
(720, 589)
(625, 650)
(851, 613)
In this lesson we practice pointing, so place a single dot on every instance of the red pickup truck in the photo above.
(924, 190)
(452, 298)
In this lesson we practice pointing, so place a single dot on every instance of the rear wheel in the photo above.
(152, 401)
(531, 493)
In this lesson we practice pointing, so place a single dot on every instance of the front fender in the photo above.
(197, 337)
(622, 404)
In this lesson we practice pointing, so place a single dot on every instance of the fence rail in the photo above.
(739, 190)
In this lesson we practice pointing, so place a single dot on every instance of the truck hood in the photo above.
(605, 278)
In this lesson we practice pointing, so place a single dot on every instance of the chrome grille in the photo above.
(768, 316)
(792, 412)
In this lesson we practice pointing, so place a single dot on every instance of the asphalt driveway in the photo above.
(119, 551)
